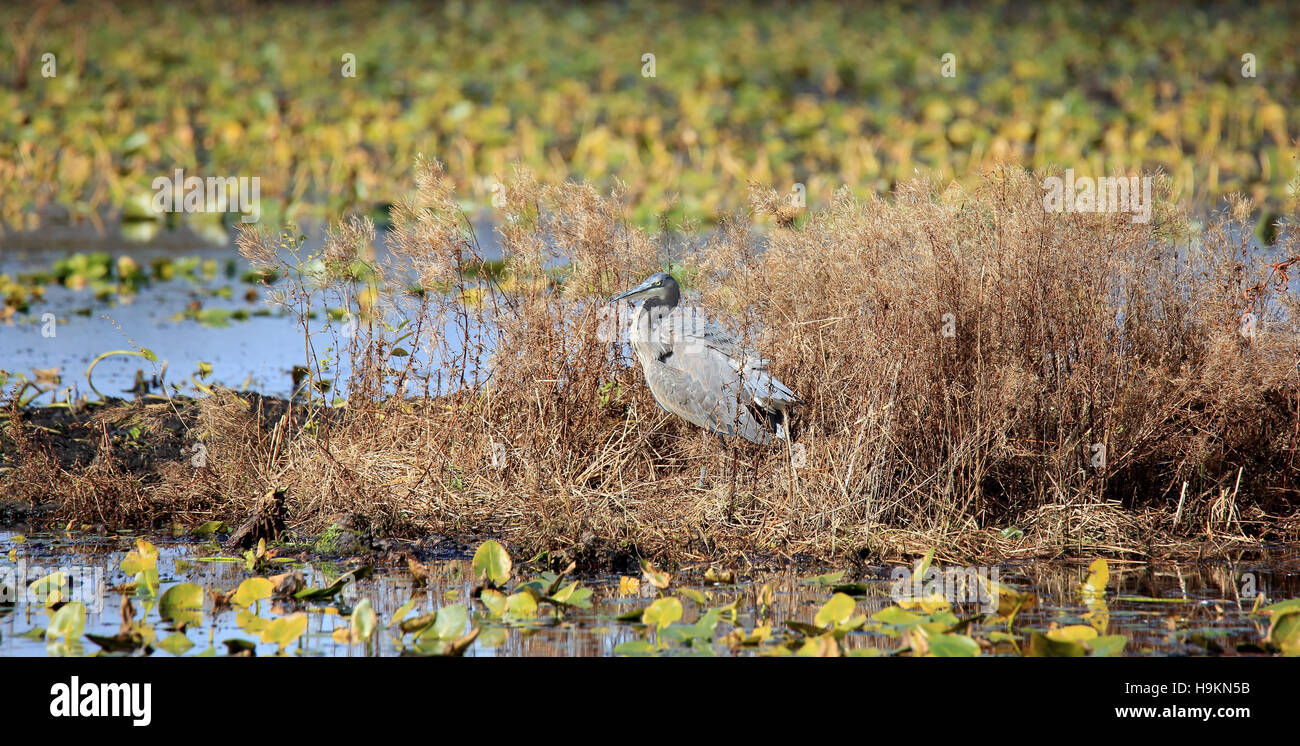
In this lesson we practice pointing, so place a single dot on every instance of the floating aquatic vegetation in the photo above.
(492, 564)
(361, 625)
(826, 97)
(454, 612)
(142, 564)
(1284, 626)
(182, 604)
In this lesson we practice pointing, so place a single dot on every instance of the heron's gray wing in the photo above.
(765, 389)
(691, 327)
(696, 335)
(702, 395)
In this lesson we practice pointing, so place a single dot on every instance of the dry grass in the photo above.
(1070, 333)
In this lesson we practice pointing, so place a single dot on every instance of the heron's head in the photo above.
(658, 289)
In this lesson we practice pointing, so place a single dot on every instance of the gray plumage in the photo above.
(696, 370)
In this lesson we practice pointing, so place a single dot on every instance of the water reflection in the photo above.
(1165, 609)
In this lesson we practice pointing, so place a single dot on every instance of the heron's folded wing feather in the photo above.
(708, 378)
(765, 389)
(691, 397)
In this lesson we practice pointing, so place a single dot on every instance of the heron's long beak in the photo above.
(638, 289)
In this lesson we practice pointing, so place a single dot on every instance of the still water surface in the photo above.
(1169, 609)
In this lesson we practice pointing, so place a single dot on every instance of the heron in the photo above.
(698, 371)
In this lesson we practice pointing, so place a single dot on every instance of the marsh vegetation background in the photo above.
(813, 93)
(872, 223)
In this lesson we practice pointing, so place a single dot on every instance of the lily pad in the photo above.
(662, 613)
(67, 623)
(284, 630)
(252, 590)
(176, 644)
(363, 621)
(835, 611)
(492, 563)
(182, 604)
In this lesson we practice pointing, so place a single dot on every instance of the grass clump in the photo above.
(980, 374)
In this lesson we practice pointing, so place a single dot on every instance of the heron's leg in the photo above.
(789, 459)
(704, 458)
(720, 447)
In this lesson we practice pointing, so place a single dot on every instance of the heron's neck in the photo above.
(645, 334)
(653, 311)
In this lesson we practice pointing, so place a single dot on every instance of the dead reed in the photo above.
(981, 375)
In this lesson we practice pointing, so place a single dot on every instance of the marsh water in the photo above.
(1163, 609)
(210, 313)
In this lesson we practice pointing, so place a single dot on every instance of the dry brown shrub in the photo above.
(1069, 334)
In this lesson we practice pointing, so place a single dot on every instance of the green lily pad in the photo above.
(67, 623)
(635, 648)
(182, 603)
(363, 620)
(252, 590)
(662, 613)
(953, 646)
(492, 563)
(205, 530)
(284, 630)
(176, 644)
(836, 611)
